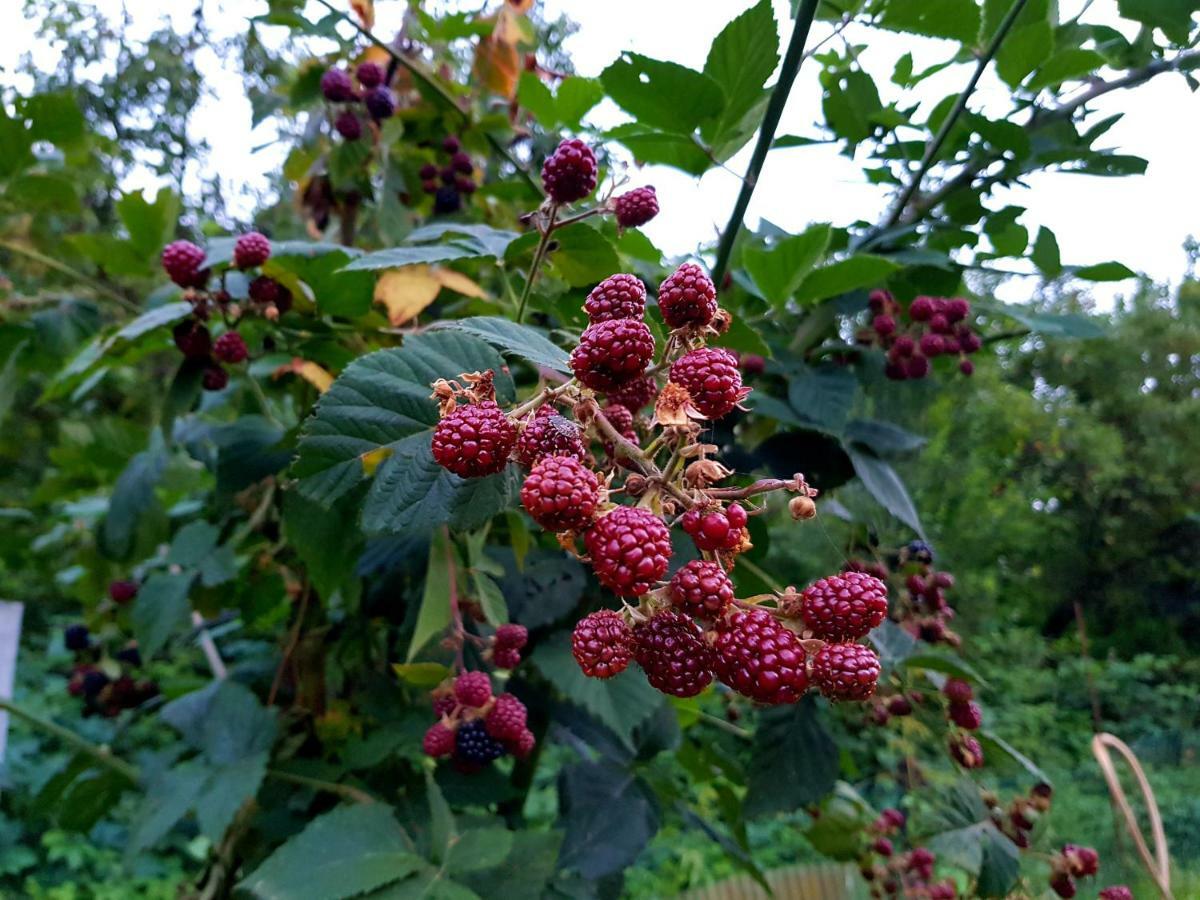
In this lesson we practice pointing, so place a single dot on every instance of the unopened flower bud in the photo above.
(802, 508)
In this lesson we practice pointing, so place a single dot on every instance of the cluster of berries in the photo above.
(963, 711)
(922, 609)
(372, 92)
(507, 644)
(569, 175)
(105, 685)
(184, 264)
(1021, 815)
(893, 874)
(449, 182)
(1077, 862)
(475, 728)
(930, 327)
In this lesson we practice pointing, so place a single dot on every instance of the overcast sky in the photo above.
(1141, 221)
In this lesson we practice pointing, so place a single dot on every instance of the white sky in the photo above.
(1141, 221)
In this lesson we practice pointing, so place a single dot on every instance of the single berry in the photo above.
(895, 371)
(966, 751)
(701, 588)
(1116, 892)
(920, 551)
(844, 607)
(957, 309)
(569, 173)
(621, 419)
(474, 440)
(616, 297)
(348, 124)
(602, 643)
(561, 493)
(548, 433)
(76, 637)
(214, 378)
(370, 74)
(718, 529)
(958, 690)
(181, 260)
(122, 591)
(903, 346)
(450, 144)
(129, 655)
(916, 366)
(428, 172)
(882, 846)
(634, 395)
(950, 345)
(1063, 884)
(337, 86)
(687, 297)
(473, 689)
(712, 378)
(846, 671)
(893, 818)
(250, 250)
(899, 705)
(429, 187)
(230, 348)
(462, 163)
(943, 890)
(1083, 861)
(446, 200)
(512, 636)
(438, 741)
(636, 208)
(752, 363)
(611, 354)
(505, 721)
(506, 657)
(883, 324)
(465, 185)
(969, 341)
(880, 300)
(921, 858)
(672, 652)
(759, 657)
(380, 103)
(932, 344)
(966, 367)
(94, 681)
(443, 702)
(192, 339)
(630, 549)
(921, 309)
(939, 323)
(472, 744)
(265, 289)
(966, 715)
(523, 745)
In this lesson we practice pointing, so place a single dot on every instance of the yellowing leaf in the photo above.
(459, 283)
(309, 371)
(372, 458)
(406, 292)
(422, 674)
(497, 60)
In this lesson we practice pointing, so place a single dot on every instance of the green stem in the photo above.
(52, 263)
(426, 78)
(718, 722)
(934, 147)
(101, 754)
(330, 787)
(539, 256)
(766, 134)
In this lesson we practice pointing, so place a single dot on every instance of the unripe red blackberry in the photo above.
(943, 890)
(474, 440)
(512, 635)
(932, 344)
(265, 289)
(843, 607)
(895, 371)
(621, 419)
(230, 348)
(921, 309)
(921, 858)
(966, 751)
(569, 173)
(214, 378)
(181, 260)
(1063, 885)
(883, 324)
(950, 345)
(712, 378)
(602, 643)
(619, 296)
(903, 346)
(348, 124)
(752, 363)
(630, 549)
(701, 588)
(882, 846)
(958, 691)
(966, 367)
(451, 144)
(192, 339)
(473, 745)
(687, 297)
(966, 715)
(1116, 892)
(122, 591)
(438, 741)
(671, 650)
(611, 354)
(506, 657)
(443, 703)
(969, 341)
(899, 705)
(846, 671)
(370, 74)
(879, 300)
(465, 185)
(957, 309)
(380, 103)
(250, 250)
(548, 433)
(76, 637)
(561, 493)
(523, 745)
(717, 529)
(916, 366)
(462, 163)
(758, 657)
(505, 721)
(892, 818)
(473, 689)
(636, 208)
(337, 86)
(1082, 861)
(635, 394)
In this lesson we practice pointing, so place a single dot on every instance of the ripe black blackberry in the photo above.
(472, 744)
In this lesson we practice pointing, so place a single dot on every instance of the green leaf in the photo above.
(513, 339)
(583, 256)
(478, 848)
(882, 483)
(236, 726)
(936, 661)
(1045, 253)
(422, 674)
(378, 402)
(609, 815)
(823, 396)
(662, 95)
(653, 146)
(132, 496)
(529, 866)
(15, 142)
(533, 94)
(248, 450)
(740, 60)
(779, 270)
(442, 828)
(993, 742)
(969, 840)
(346, 852)
(1065, 325)
(225, 791)
(851, 104)
(320, 537)
(1107, 271)
(883, 438)
(434, 615)
(575, 98)
(55, 117)
(893, 644)
(1174, 17)
(795, 759)
(1070, 64)
(622, 703)
(862, 270)
(167, 800)
(954, 19)
(1027, 45)
(150, 223)
(161, 610)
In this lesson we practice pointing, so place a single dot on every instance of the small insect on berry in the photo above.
(549, 433)
(569, 173)
(687, 297)
(474, 440)
(250, 250)
(230, 348)
(636, 208)
(602, 643)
